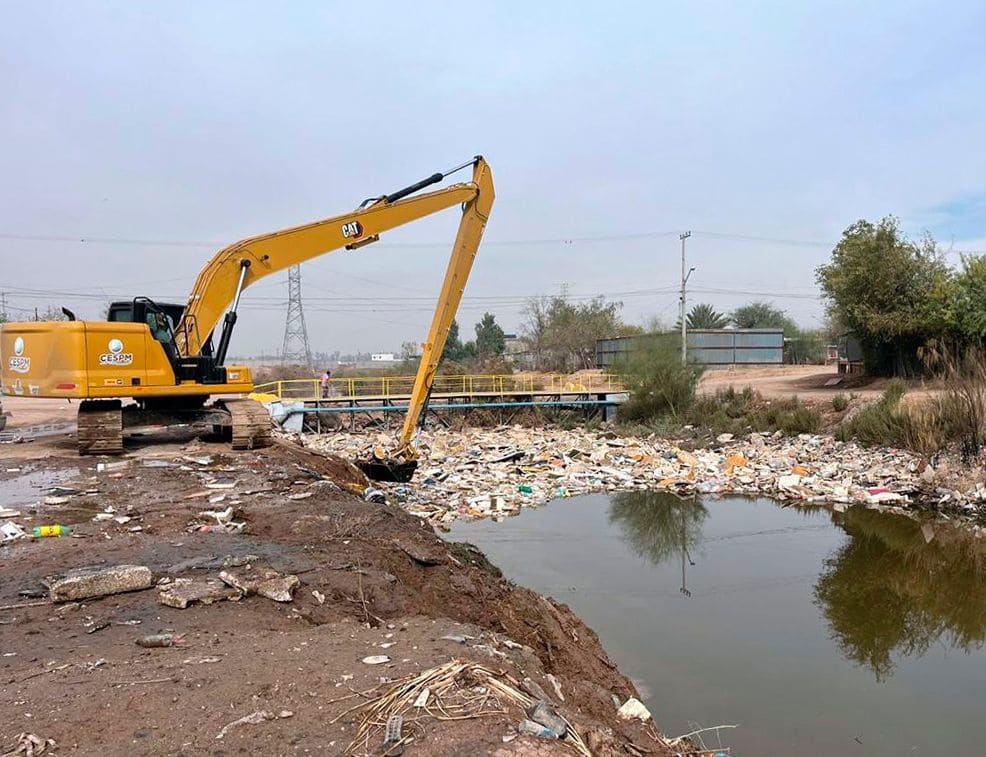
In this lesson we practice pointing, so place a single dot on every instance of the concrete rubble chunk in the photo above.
(262, 580)
(183, 592)
(86, 583)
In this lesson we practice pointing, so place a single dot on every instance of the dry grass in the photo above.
(457, 690)
(956, 415)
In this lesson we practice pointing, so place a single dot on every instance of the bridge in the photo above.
(505, 395)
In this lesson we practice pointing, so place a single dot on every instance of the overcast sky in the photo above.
(149, 125)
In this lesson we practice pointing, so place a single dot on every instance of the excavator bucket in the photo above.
(388, 470)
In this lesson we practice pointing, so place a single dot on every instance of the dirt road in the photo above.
(775, 382)
(374, 581)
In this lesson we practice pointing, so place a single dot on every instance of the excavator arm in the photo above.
(222, 281)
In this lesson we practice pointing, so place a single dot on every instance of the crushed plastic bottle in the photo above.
(41, 532)
(525, 489)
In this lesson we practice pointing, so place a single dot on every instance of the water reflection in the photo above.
(888, 591)
(893, 589)
(658, 526)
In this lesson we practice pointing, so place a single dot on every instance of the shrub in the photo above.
(658, 383)
(840, 402)
(743, 411)
(882, 423)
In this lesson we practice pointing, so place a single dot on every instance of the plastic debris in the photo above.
(11, 531)
(377, 659)
(41, 532)
(393, 744)
(160, 640)
(530, 728)
(254, 718)
(633, 708)
(544, 714)
(491, 473)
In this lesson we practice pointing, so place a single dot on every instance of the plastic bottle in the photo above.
(43, 531)
(525, 489)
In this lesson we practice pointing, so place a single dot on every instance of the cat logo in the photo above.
(352, 230)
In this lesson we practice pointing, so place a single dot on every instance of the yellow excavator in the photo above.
(162, 356)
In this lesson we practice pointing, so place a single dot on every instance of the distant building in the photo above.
(516, 351)
(708, 347)
(382, 357)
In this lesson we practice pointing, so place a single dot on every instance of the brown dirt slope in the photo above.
(373, 580)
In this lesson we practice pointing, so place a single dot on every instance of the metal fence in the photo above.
(711, 347)
(385, 387)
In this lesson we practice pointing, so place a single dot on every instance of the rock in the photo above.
(544, 713)
(533, 688)
(602, 742)
(261, 580)
(377, 659)
(633, 708)
(183, 592)
(723, 438)
(87, 583)
(424, 555)
(556, 686)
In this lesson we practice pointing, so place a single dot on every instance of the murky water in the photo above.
(818, 633)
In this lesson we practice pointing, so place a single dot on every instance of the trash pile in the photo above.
(497, 472)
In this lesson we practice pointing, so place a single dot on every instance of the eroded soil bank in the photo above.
(375, 582)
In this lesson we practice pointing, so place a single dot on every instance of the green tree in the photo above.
(894, 294)
(490, 341)
(704, 316)
(455, 349)
(561, 335)
(968, 312)
(763, 315)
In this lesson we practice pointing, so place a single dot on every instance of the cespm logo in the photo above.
(116, 356)
(18, 363)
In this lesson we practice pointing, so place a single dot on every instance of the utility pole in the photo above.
(295, 348)
(684, 281)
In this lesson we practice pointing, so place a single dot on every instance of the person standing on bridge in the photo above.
(325, 383)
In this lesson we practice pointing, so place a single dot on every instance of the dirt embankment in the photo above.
(374, 581)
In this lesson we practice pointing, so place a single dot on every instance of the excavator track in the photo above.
(100, 427)
(250, 423)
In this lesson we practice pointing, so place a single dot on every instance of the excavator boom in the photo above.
(218, 284)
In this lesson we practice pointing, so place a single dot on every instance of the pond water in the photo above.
(819, 633)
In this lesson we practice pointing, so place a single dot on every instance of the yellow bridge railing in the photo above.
(385, 387)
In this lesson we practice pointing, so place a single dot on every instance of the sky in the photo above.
(160, 133)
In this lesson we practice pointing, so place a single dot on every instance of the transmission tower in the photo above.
(295, 349)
